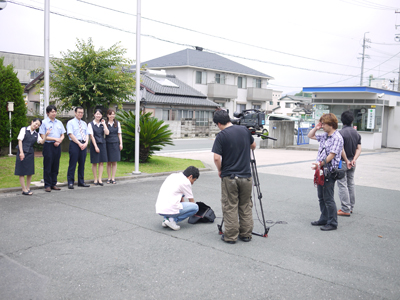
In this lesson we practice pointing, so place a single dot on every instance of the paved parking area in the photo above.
(108, 243)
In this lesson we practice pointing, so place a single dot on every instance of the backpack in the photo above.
(205, 214)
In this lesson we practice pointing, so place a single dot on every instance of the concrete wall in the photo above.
(189, 129)
(283, 131)
(393, 133)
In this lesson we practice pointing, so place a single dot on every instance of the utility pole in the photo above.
(398, 81)
(362, 58)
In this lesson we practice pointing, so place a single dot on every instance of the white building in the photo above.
(225, 82)
(293, 106)
(376, 112)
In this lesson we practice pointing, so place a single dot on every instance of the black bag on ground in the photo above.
(205, 214)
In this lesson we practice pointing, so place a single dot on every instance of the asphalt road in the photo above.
(108, 243)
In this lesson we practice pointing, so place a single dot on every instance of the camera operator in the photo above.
(232, 158)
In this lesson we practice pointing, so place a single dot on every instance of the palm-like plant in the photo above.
(154, 134)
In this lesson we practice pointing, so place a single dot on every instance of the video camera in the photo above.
(253, 119)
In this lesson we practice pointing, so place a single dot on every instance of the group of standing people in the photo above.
(106, 146)
(335, 147)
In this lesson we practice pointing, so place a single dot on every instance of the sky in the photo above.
(300, 43)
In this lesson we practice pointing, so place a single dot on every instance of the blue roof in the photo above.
(201, 59)
(347, 89)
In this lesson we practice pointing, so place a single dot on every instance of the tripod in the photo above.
(256, 184)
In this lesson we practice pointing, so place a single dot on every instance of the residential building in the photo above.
(294, 106)
(225, 82)
(187, 111)
(376, 112)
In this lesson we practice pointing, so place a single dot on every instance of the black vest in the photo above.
(29, 140)
(98, 133)
(112, 137)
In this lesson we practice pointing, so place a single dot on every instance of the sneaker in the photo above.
(172, 224)
(163, 224)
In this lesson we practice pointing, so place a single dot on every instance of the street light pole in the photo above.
(46, 55)
(138, 96)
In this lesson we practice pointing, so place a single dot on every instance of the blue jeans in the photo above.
(188, 210)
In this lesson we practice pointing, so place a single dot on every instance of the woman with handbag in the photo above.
(328, 158)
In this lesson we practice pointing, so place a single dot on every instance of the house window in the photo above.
(220, 78)
(203, 117)
(256, 106)
(165, 115)
(242, 82)
(201, 77)
(34, 74)
(240, 107)
(184, 114)
(287, 105)
(271, 102)
(278, 103)
(257, 83)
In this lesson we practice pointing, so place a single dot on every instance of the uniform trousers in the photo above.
(51, 164)
(76, 155)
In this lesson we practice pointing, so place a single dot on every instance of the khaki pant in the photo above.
(237, 207)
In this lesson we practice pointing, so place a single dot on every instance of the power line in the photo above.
(218, 37)
(176, 43)
(369, 4)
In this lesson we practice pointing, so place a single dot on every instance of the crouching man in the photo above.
(170, 202)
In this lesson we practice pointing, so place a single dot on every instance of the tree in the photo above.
(89, 78)
(153, 135)
(11, 90)
(301, 93)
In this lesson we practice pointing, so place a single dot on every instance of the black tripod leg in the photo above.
(257, 185)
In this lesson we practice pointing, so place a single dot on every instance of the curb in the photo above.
(122, 178)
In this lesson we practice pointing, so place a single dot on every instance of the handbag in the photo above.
(205, 214)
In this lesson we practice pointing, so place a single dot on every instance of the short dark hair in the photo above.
(50, 108)
(78, 107)
(347, 117)
(329, 119)
(222, 117)
(36, 119)
(192, 171)
(98, 110)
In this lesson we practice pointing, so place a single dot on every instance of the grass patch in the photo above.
(156, 164)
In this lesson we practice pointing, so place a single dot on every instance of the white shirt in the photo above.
(22, 132)
(169, 198)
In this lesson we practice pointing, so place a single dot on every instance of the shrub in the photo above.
(154, 134)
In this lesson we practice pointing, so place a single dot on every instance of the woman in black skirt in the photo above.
(25, 163)
(98, 151)
(114, 145)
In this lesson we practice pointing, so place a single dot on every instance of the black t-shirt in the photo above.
(233, 144)
(351, 140)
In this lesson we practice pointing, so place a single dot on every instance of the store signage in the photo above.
(371, 118)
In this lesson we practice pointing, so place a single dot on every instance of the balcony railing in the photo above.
(216, 90)
(259, 94)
